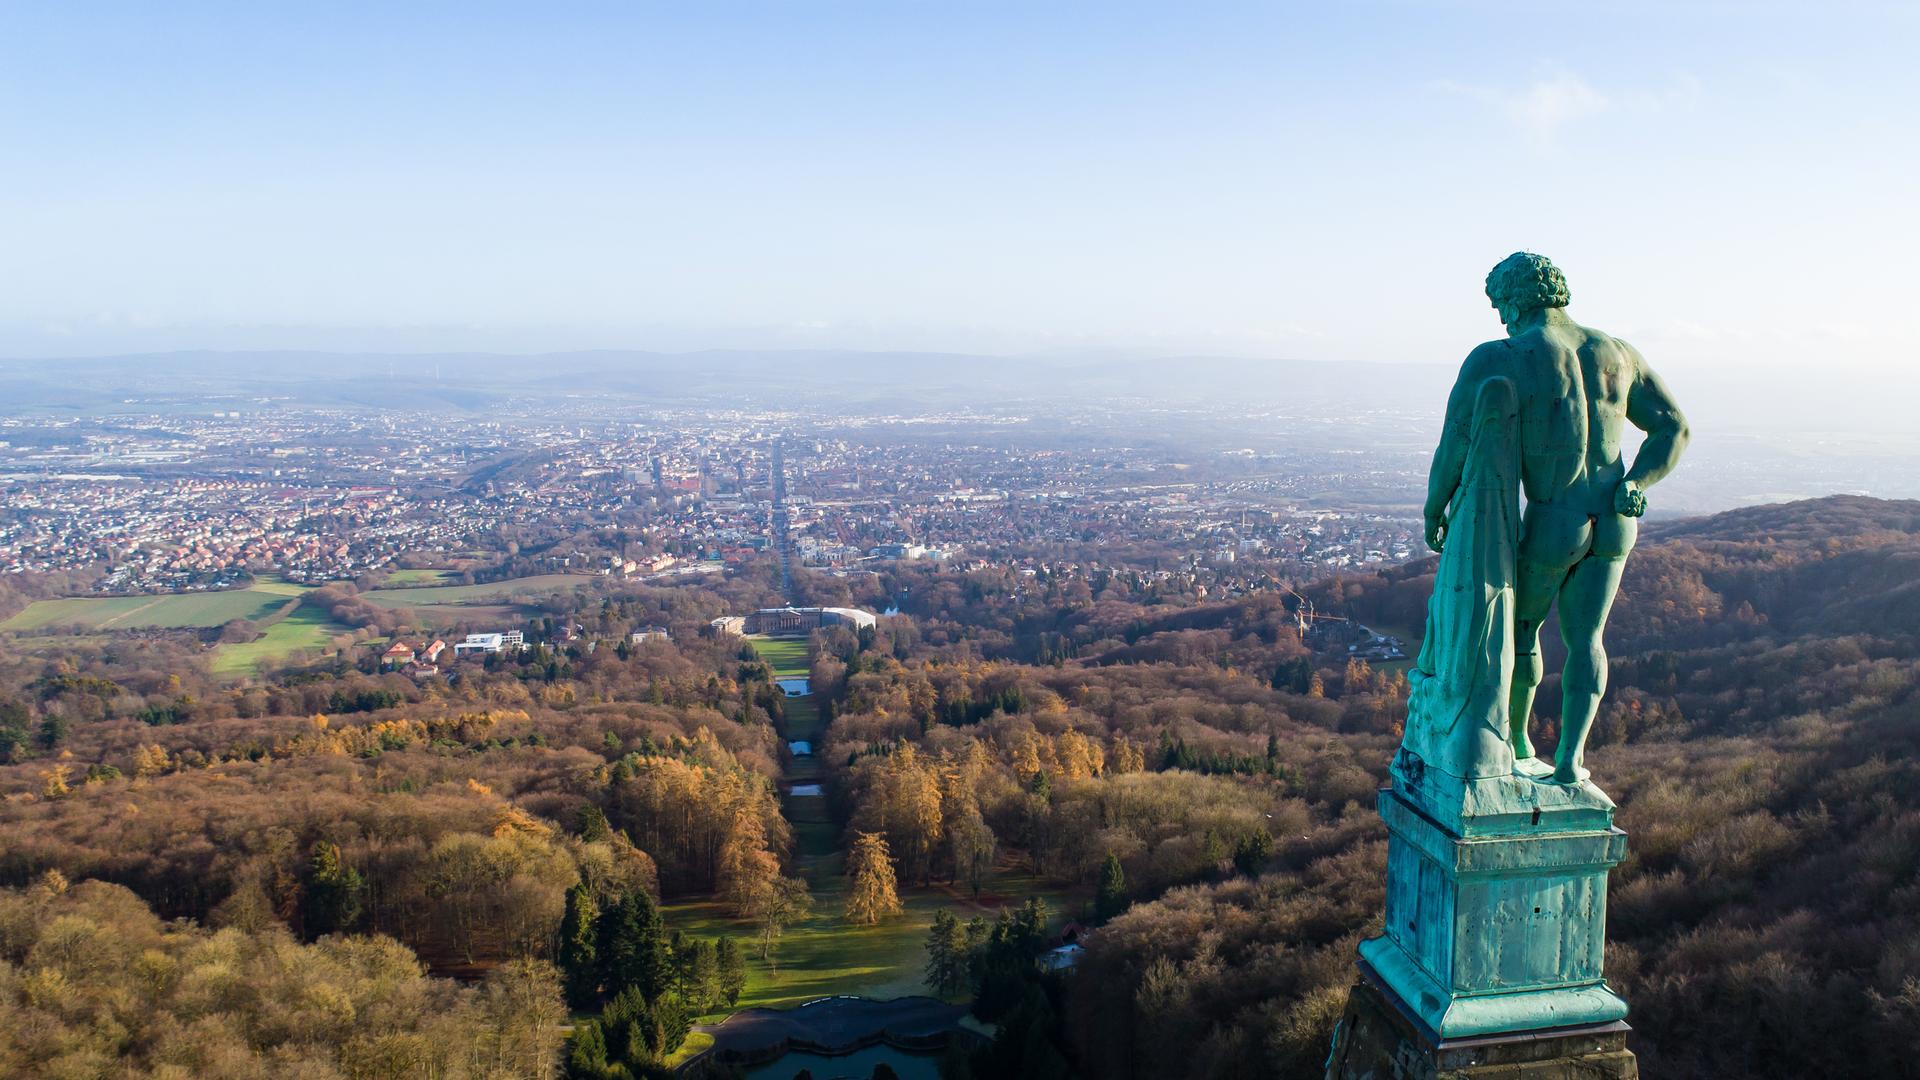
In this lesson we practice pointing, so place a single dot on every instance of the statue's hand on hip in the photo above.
(1629, 500)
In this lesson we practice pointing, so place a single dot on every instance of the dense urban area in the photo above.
(144, 503)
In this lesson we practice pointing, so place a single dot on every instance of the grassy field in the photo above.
(419, 577)
(441, 616)
(491, 592)
(1410, 639)
(174, 611)
(787, 656)
(697, 1042)
(307, 628)
(826, 955)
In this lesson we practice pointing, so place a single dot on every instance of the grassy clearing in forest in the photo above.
(169, 611)
(492, 592)
(825, 955)
(436, 617)
(307, 628)
(419, 577)
(790, 658)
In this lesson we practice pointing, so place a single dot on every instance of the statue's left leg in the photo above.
(1552, 542)
(1585, 600)
(1533, 598)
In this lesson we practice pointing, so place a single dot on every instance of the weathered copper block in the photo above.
(1501, 933)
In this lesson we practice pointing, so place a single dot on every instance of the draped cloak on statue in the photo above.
(1457, 709)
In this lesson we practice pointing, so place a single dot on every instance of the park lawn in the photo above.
(307, 628)
(1410, 639)
(169, 611)
(790, 658)
(697, 1042)
(441, 616)
(802, 721)
(492, 592)
(419, 577)
(825, 955)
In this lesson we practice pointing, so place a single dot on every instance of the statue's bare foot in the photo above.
(1567, 773)
(1523, 748)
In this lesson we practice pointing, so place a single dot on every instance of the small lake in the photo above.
(855, 1066)
(805, 789)
(794, 687)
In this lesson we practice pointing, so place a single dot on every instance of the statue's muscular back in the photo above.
(1574, 384)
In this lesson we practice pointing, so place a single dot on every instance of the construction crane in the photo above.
(1304, 616)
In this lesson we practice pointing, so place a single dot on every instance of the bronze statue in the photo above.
(1572, 388)
(1495, 926)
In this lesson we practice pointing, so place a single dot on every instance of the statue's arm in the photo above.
(1651, 408)
(1450, 457)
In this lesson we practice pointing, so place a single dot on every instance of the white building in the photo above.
(509, 641)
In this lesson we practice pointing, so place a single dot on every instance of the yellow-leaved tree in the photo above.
(872, 894)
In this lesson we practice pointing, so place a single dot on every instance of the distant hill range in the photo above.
(1839, 566)
(872, 381)
(1731, 398)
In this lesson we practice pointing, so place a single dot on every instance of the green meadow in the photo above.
(789, 657)
(307, 628)
(825, 955)
(284, 633)
(169, 611)
(412, 578)
(491, 592)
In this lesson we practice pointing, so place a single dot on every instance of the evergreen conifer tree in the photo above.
(733, 970)
(633, 947)
(1111, 899)
(579, 955)
(331, 900)
(947, 954)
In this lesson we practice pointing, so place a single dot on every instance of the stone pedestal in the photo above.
(1380, 1038)
(1492, 960)
(1496, 901)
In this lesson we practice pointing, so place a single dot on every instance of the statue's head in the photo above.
(1524, 283)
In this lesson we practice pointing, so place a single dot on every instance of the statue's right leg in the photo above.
(1584, 603)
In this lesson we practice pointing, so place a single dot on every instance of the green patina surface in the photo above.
(1498, 861)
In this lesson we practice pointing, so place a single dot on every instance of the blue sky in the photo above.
(1725, 184)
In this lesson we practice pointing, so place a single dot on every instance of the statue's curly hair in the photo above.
(1527, 282)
